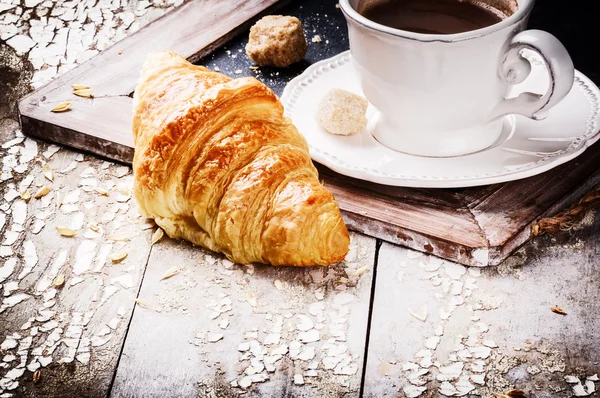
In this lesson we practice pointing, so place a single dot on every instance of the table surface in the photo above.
(388, 322)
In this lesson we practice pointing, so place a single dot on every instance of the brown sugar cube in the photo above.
(276, 40)
(342, 112)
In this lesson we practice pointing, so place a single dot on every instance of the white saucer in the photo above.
(525, 149)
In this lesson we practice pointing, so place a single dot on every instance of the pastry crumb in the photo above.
(316, 39)
(342, 112)
(276, 40)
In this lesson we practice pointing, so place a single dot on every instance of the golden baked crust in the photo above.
(217, 163)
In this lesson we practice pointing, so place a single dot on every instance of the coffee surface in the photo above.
(433, 16)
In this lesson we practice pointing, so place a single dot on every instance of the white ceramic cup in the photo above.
(445, 95)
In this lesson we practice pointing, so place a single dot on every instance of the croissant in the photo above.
(218, 164)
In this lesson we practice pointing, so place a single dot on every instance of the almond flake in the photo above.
(214, 337)
(558, 310)
(420, 314)
(101, 191)
(26, 195)
(62, 107)
(36, 376)
(94, 227)
(118, 257)
(84, 92)
(79, 87)
(251, 299)
(64, 231)
(141, 303)
(119, 237)
(169, 273)
(58, 282)
(157, 235)
(48, 173)
(43, 191)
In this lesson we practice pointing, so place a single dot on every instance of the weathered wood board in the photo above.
(70, 332)
(214, 326)
(477, 226)
(455, 330)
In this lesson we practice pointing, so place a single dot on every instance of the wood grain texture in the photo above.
(92, 297)
(168, 350)
(484, 328)
(476, 226)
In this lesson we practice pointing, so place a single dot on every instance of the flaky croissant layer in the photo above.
(217, 163)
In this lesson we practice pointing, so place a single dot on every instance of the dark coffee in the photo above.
(432, 16)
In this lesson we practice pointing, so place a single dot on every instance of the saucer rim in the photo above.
(577, 146)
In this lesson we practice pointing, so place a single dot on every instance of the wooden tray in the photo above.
(476, 226)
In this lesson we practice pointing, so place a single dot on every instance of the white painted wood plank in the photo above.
(168, 349)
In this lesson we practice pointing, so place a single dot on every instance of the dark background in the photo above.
(574, 23)
(577, 25)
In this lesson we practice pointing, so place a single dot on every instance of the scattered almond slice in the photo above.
(26, 195)
(118, 257)
(79, 87)
(169, 273)
(157, 235)
(48, 172)
(84, 92)
(420, 314)
(120, 237)
(43, 191)
(58, 282)
(64, 231)
(251, 299)
(62, 107)
(278, 284)
(36, 376)
(142, 304)
(101, 191)
(358, 272)
(558, 310)
(316, 39)
(95, 227)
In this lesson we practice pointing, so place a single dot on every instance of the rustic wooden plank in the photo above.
(516, 204)
(101, 126)
(477, 329)
(168, 350)
(413, 209)
(71, 334)
(500, 253)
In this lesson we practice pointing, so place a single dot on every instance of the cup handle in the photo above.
(515, 69)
